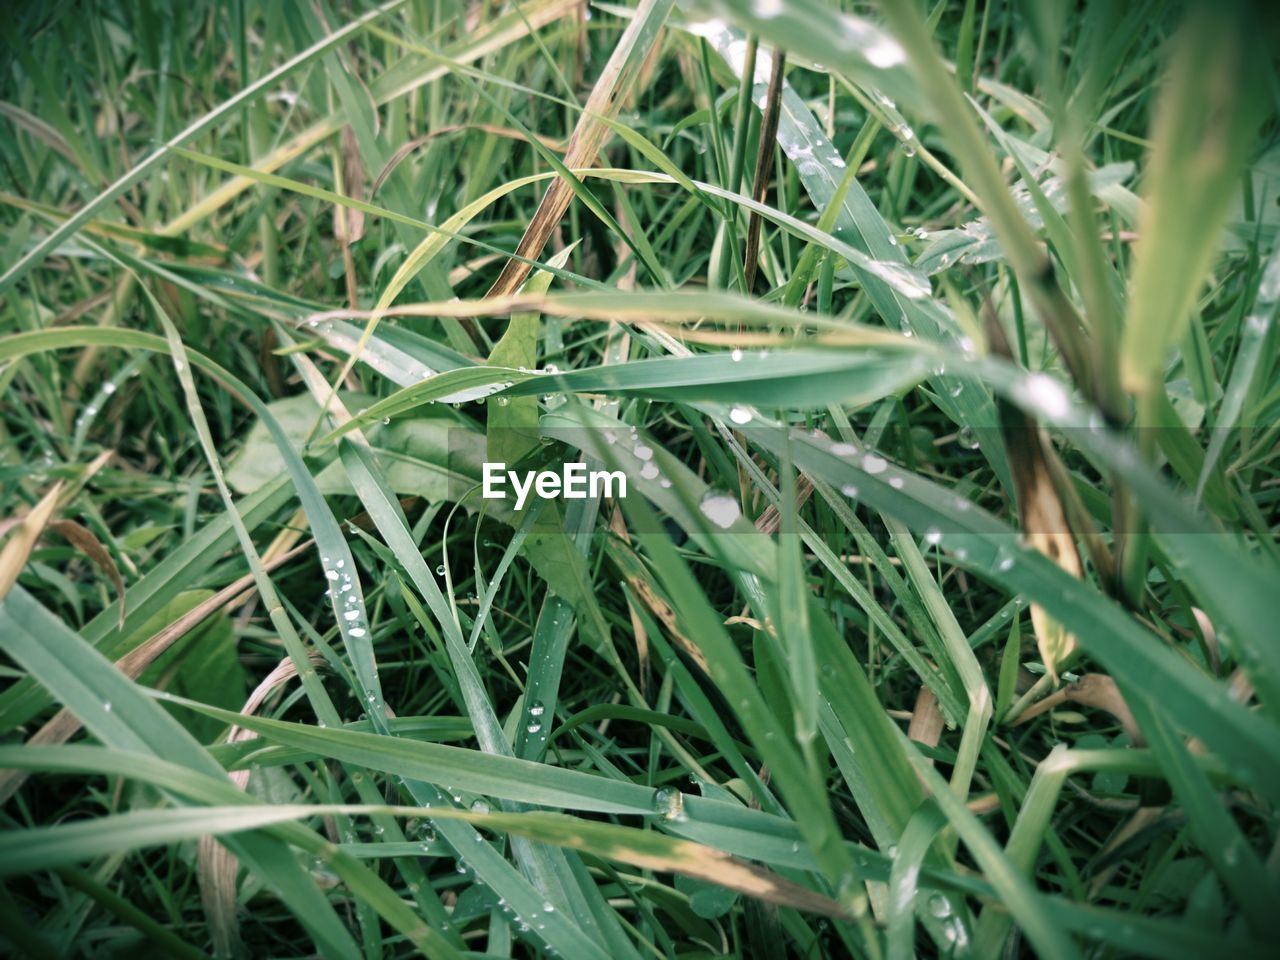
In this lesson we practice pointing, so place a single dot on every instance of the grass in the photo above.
(938, 619)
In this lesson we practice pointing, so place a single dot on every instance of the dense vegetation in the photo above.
(938, 346)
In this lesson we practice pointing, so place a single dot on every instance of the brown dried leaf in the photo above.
(348, 221)
(667, 617)
(1041, 513)
(1095, 690)
(83, 540)
(926, 719)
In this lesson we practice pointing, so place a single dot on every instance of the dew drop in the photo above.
(885, 53)
(668, 802)
(720, 508)
(1047, 396)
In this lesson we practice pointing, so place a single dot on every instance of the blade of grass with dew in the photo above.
(1207, 559)
(822, 171)
(112, 708)
(988, 546)
(547, 869)
(843, 683)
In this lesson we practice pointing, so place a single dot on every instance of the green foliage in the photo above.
(258, 335)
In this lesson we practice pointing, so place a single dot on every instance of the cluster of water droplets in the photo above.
(642, 452)
(953, 929)
(346, 599)
(536, 726)
(394, 364)
(40, 473)
(532, 922)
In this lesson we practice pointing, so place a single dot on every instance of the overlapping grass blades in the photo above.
(675, 721)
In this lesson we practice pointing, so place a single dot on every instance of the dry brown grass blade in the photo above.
(1081, 521)
(217, 865)
(284, 671)
(589, 134)
(64, 724)
(216, 869)
(1144, 818)
(1041, 513)
(926, 719)
(618, 524)
(82, 539)
(23, 539)
(1095, 690)
(663, 854)
(715, 866)
(667, 617)
(350, 221)
(771, 519)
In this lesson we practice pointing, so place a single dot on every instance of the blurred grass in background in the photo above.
(938, 344)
